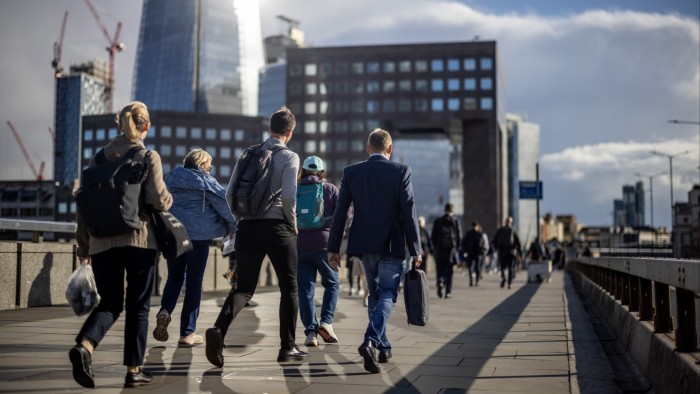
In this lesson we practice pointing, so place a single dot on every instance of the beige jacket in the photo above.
(154, 193)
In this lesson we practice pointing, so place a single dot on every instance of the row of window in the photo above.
(391, 105)
(179, 151)
(167, 132)
(25, 212)
(391, 86)
(390, 66)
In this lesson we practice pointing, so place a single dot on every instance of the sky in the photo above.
(602, 78)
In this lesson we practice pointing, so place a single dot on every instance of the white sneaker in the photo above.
(361, 292)
(191, 340)
(326, 332)
(311, 340)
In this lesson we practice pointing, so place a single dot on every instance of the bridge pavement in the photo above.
(533, 338)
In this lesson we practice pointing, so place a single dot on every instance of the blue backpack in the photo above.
(310, 206)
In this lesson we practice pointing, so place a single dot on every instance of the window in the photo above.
(341, 145)
(405, 85)
(437, 65)
(341, 126)
(469, 84)
(452, 65)
(166, 150)
(181, 132)
(113, 132)
(404, 105)
(357, 126)
(322, 146)
(294, 70)
(341, 87)
(87, 152)
(389, 105)
(437, 85)
(311, 88)
(437, 104)
(486, 103)
(196, 133)
(180, 150)
(323, 126)
(151, 132)
(421, 66)
(294, 89)
(405, 66)
(165, 131)
(239, 135)
(372, 124)
(310, 107)
(166, 168)
(226, 134)
(323, 107)
(389, 86)
(453, 84)
(357, 87)
(469, 64)
(389, 67)
(225, 170)
(357, 146)
(324, 88)
(238, 152)
(486, 84)
(341, 68)
(358, 68)
(310, 69)
(485, 63)
(326, 69)
(421, 85)
(210, 133)
(372, 86)
(372, 67)
(357, 106)
(469, 103)
(372, 106)
(342, 107)
(225, 152)
(453, 104)
(420, 105)
(100, 134)
(211, 150)
(62, 207)
(310, 127)
(88, 135)
(310, 146)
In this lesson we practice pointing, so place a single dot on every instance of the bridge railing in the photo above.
(644, 285)
(37, 227)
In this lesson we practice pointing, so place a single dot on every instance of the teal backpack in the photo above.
(310, 206)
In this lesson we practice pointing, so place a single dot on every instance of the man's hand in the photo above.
(334, 260)
(87, 260)
(418, 260)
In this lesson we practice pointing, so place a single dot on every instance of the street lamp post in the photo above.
(670, 167)
(676, 121)
(651, 194)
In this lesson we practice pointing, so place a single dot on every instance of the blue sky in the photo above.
(601, 78)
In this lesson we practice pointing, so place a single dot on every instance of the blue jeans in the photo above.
(383, 277)
(188, 270)
(311, 262)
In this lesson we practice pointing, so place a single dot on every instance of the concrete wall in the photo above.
(668, 370)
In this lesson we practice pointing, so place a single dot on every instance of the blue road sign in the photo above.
(530, 190)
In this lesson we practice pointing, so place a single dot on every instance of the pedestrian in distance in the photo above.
(267, 225)
(384, 225)
(426, 244)
(507, 245)
(316, 202)
(475, 247)
(199, 202)
(131, 254)
(446, 236)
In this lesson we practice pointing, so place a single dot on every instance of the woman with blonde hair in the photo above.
(199, 202)
(131, 255)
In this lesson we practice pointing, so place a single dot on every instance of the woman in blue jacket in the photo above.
(199, 202)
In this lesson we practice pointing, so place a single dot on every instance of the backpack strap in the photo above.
(100, 157)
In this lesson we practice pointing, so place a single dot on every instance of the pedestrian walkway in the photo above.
(533, 338)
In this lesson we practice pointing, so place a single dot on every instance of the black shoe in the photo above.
(503, 283)
(369, 353)
(214, 348)
(384, 355)
(293, 354)
(439, 292)
(82, 366)
(471, 284)
(140, 378)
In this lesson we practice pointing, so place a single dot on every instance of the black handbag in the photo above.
(415, 295)
(171, 235)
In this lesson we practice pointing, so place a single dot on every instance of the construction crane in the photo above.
(114, 46)
(39, 175)
(57, 48)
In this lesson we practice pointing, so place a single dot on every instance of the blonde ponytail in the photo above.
(132, 119)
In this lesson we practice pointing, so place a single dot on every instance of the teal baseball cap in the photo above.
(313, 163)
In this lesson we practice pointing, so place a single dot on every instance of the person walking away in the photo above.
(384, 225)
(507, 245)
(475, 247)
(312, 253)
(271, 232)
(445, 236)
(426, 244)
(132, 254)
(199, 202)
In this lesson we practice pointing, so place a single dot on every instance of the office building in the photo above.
(686, 227)
(199, 56)
(80, 93)
(629, 211)
(273, 76)
(523, 158)
(443, 91)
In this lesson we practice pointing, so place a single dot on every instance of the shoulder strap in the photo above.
(100, 157)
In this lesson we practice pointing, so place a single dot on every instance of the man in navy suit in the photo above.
(384, 226)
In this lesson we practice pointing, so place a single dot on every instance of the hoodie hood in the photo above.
(182, 179)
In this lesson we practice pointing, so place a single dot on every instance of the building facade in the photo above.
(80, 93)
(686, 226)
(199, 56)
(451, 91)
(629, 211)
(523, 158)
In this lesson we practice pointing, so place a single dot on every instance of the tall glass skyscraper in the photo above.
(523, 156)
(199, 56)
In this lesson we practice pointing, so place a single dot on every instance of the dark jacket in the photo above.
(506, 241)
(384, 219)
(436, 234)
(474, 244)
(317, 239)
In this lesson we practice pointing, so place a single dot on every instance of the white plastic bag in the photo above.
(82, 290)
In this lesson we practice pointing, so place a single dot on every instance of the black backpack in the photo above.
(110, 193)
(447, 233)
(252, 193)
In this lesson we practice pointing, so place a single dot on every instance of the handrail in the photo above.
(37, 227)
